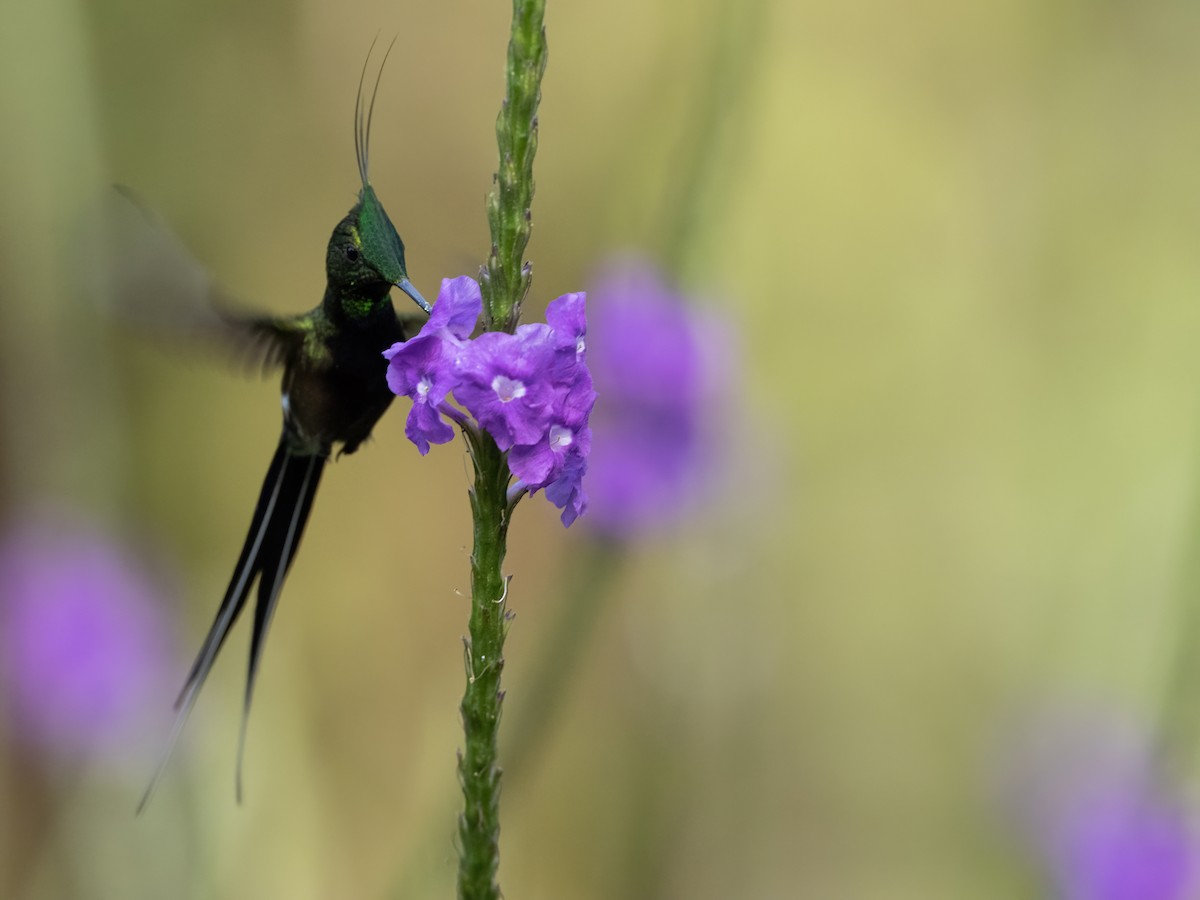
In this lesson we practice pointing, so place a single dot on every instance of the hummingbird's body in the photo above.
(334, 390)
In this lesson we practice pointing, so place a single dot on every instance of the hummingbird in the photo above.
(334, 390)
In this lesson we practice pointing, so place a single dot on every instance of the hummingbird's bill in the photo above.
(407, 286)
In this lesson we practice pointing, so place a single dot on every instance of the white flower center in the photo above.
(580, 346)
(508, 389)
(423, 387)
(561, 437)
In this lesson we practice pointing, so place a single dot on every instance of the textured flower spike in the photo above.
(509, 383)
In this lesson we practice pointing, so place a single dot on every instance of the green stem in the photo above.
(506, 277)
(478, 773)
(504, 284)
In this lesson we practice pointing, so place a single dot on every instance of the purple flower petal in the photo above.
(567, 491)
(456, 309)
(539, 463)
(567, 317)
(505, 384)
(533, 463)
(425, 426)
(423, 369)
(566, 435)
(415, 365)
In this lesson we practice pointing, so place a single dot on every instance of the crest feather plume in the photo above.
(364, 112)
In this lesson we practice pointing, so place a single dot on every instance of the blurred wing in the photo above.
(141, 274)
(262, 342)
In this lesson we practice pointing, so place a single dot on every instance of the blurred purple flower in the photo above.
(1089, 794)
(1126, 845)
(654, 360)
(83, 646)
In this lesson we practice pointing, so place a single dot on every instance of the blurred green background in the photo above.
(955, 246)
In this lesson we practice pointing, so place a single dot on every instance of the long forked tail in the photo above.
(271, 543)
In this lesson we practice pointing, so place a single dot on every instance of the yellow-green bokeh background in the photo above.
(955, 245)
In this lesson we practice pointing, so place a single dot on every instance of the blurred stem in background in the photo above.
(592, 578)
(63, 464)
(61, 430)
(1179, 710)
(55, 437)
(706, 159)
(504, 285)
(694, 201)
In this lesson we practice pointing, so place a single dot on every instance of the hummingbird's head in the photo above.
(365, 252)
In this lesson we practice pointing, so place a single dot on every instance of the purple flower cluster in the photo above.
(531, 391)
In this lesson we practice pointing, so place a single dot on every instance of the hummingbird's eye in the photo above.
(351, 252)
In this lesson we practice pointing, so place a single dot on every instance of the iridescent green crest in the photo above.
(378, 240)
